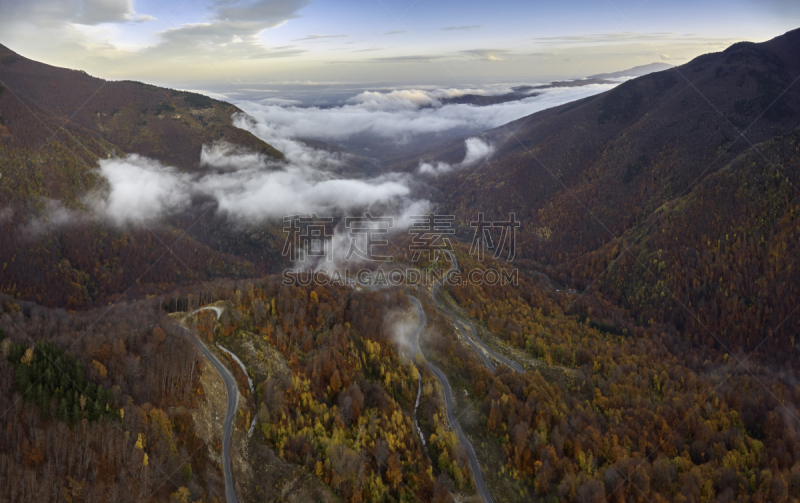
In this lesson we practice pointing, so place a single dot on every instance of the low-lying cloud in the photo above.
(412, 99)
(401, 115)
(6, 214)
(139, 190)
(246, 186)
(55, 215)
(477, 150)
(250, 188)
(401, 326)
(255, 192)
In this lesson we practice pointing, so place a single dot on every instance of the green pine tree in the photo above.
(22, 378)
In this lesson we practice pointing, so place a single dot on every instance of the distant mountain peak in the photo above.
(636, 71)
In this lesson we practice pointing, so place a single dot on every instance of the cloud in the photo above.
(90, 34)
(281, 101)
(245, 186)
(139, 190)
(318, 37)
(55, 215)
(264, 53)
(437, 169)
(487, 54)
(395, 100)
(397, 32)
(417, 58)
(477, 150)
(401, 325)
(57, 30)
(231, 30)
(665, 57)
(462, 28)
(399, 99)
(629, 36)
(229, 157)
(94, 12)
(258, 190)
(248, 187)
(400, 115)
(85, 12)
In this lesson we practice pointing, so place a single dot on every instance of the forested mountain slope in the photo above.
(582, 173)
(60, 118)
(659, 161)
(721, 262)
(55, 124)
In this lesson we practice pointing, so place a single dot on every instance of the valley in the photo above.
(608, 312)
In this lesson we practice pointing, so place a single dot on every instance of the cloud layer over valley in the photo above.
(401, 116)
(248, 188)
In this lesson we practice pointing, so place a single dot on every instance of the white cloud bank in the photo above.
(249, 187)
(400, 115)
(246, 186)
(140, 190)
(410, 99)
(477, 150)
(255, 193)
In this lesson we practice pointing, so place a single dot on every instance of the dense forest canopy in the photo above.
(654, 320)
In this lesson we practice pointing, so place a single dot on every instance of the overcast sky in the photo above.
(207, 44)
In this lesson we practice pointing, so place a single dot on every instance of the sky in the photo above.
(237, 44)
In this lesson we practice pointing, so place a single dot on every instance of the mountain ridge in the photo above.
(55, 125)
(47, 110)
(585, 175)
(635, 71)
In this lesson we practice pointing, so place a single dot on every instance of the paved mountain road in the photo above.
(477, 476)
(476, 342)
(233, 402)
(480, 347)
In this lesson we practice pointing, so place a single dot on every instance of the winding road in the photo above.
(480, 347)
(477, 476)
(485, 353)
(233, 402)
(477, 344)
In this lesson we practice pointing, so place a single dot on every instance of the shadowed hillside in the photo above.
(55, 124)
(581, 175)
(64, 120)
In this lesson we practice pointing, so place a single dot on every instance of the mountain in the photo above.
(517, 93)
(721, 261)
(55, 124)
(681, 234)
(65, 120)
(636, 71)
(584, 175)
